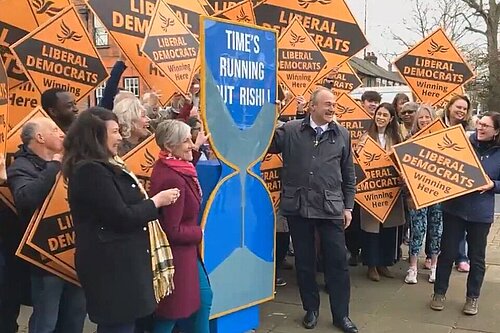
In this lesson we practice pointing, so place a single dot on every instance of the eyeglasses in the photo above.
(483, 125)
(407, 113)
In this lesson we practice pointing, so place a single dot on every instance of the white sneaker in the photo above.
(432, 275)
(411, 277)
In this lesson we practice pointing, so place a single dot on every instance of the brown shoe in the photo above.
(373, 274)
(384, 271)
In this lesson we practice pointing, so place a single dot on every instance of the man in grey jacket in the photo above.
(318, 193)
(58, 306)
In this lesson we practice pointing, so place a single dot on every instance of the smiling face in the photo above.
(485, 129)
(140, 126)
(370, 106)
(382, 119)
(323, 107)
(113, 136)
(458, 111)
(184, 150)
(424, 119)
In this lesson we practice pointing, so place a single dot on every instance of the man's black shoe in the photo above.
(310, 319)
(346, 325)
(354, 260)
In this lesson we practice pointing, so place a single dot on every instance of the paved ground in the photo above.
(389, 306)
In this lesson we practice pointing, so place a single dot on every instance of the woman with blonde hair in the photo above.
(426, 222)
(134, 124)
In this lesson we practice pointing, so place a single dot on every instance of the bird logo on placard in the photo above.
(437, 48)
(448, 144)
(370, 158)
(167, 22)
(296, 39)
(150, 161)
(46, 7)
(268, 157)
(305, 3)
(342, 110)
(243, 17)
(68, 34)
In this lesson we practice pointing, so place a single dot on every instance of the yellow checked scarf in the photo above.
(162, 260)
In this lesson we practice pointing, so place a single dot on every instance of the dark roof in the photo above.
(370, 69)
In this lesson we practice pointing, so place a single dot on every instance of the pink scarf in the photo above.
(181, 166)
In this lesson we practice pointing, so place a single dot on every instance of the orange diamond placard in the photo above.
(329, 22)
(434, 68)
(241, 12)
(353, 117)
(440, 166)
(299, 58)
(345, 81)
(271, 173)
(61, 53)
(380, 190)
(12, 145)
(18, 19)
(171, 46)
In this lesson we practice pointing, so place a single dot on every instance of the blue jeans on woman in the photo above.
(199, 321)
(57, 305)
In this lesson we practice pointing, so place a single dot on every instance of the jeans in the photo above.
(331, 234)
(199, 321)
(424, 221)
(57, 305)
(477, 236)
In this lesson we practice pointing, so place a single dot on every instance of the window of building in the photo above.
(101, 37)
(131, 84)
(99, 93)
(378, 82)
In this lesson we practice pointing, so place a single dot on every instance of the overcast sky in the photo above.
(384, 16)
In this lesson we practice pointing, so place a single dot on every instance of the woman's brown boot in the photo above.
(373, 274)
(384, 271)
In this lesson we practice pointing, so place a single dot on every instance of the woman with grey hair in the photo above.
(134, 124)
(192, 297)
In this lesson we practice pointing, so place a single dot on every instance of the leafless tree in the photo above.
(488, 12)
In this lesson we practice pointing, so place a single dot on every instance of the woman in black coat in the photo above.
(110, 214)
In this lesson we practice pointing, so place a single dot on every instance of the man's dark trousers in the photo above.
(331, 233)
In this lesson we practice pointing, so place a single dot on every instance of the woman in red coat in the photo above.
(192, 297)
